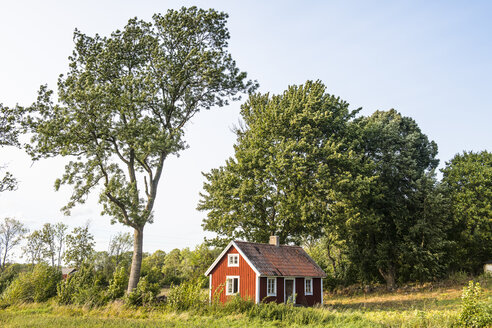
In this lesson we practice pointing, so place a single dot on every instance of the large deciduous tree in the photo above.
(291, 162)
(467, 185)
(384, 227)
(123, 105)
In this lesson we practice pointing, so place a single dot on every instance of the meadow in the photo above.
(427, 305)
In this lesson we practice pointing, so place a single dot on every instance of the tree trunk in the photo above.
(389, 276)
(136, 259)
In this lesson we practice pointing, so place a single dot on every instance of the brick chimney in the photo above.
(274, 240)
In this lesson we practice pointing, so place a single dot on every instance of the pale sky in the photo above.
(430, 60)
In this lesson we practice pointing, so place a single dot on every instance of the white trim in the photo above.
(293, 288)
(305, 289)
(231, 256)
(322, 291)
(218, 259)
(232, 243)
(257, 298)
(238, 284)
(210, 289)
(274, 286)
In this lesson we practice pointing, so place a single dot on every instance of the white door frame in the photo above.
(293, 289)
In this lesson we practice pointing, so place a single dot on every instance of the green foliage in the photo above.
(123, 105)
(118, 284)
(390, 225)
(12, 232)
(475, 312)
(291, 161)
(188, 295)
(144, 294)
(467, 184)
(8, 137)
(34, 247)
(9, 274)
(38, 285)
(82, 288)
(80, 246)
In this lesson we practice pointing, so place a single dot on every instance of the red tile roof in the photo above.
(283, 260)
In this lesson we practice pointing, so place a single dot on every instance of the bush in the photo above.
(144, 294)
(82, 288)
(189, 295)
(475, 312)
(38, 285)
(118, 284)
(10, 274)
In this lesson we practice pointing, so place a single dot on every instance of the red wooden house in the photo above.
(266, 273)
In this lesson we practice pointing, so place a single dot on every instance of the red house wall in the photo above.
(306, 300)
(247, 278)
(280, 291)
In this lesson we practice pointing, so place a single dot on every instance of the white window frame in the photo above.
(231, 257)
(305, 286)
(274, 279)
(227, 284)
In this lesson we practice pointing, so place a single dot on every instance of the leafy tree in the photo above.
(8, 137)
(60, 230)
(119, 245)
(48, 234)
(35, 248)
(11, 234)
(382, 226)
(172, 267)
(291, 161)
(467, 184)
(123, 106)
(80, 246)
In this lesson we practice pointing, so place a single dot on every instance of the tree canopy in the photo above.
(467, 184)
(291, 159)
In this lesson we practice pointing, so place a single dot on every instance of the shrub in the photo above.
(144, 294)
(118, 284)
(475, 312)
(188, 295)
(10, 274)
(82, 288)
(38, 285)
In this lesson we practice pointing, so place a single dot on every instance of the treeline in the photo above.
(359, 191)
(96, 277)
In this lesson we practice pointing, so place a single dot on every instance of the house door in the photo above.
(289, 291)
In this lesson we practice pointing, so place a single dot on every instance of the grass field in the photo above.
(421, 307)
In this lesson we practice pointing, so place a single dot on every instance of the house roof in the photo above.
(68, 270)
(271, 260)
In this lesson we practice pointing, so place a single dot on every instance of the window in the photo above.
(308, 286)
(233, 260)
(232, 285)
(271, 286)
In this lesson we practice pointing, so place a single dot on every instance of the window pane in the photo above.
(229, 286)
(236, 285)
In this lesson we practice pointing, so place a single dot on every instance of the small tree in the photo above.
(80, 246)
(119, 245)
(35, 247)
(48, 237)
(60, 231)
(11, 234)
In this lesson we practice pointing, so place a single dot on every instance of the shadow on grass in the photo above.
(397, 305)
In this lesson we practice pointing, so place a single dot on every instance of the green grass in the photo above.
(425, 307)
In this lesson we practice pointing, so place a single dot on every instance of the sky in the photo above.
(430, 60)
